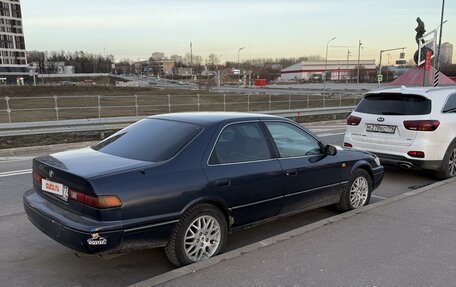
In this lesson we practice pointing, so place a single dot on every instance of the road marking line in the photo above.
(326, 130)
(330, 134)
(379, 197)
(15, 172)
(9, 160)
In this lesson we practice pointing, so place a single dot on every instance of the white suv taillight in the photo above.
(353, 121)
(424, 125)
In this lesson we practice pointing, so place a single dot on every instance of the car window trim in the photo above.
(299, 127)
(241, 162)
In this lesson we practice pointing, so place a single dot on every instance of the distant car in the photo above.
(408, 127)
(67, 83)
(183, 181)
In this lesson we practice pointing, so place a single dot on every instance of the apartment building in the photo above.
(446, 53)
(13, 58)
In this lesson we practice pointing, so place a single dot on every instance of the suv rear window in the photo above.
(394, 104)
(150, 140)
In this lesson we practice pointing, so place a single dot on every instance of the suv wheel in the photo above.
(449, 163)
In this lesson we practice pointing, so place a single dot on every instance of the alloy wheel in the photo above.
(359, 192)
(202, 238)
(452, 163)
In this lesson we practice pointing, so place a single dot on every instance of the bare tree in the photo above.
(212, 59)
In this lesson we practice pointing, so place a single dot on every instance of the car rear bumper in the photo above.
(90, 236)
(396, 160)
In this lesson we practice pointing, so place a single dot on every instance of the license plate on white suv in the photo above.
(55, 188)
(385, 129)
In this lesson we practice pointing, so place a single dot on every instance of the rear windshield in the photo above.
(394, 104)
(150, 140)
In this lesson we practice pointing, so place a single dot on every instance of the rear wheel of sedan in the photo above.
(200, 234)
(448, 168)
(357, 193)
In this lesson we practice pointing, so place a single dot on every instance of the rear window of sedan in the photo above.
(394, 104)
(152, 140)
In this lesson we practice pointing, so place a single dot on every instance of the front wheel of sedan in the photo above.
(357, 193)
(200, 234)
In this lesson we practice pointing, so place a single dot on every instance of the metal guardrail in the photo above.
(117, 123)
(26, 109)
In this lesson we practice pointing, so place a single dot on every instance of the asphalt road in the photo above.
(28, 257)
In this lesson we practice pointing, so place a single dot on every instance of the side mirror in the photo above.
(330, 150)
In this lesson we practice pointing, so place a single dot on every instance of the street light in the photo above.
(326, 63)
(348, 57)
(380, 62)
(440, 36)
(359, 55)
(239, 51)
(239, 68)
(388, 67)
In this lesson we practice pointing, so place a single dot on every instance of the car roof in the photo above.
(209, 118)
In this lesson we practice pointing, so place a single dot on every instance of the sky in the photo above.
(135, 29)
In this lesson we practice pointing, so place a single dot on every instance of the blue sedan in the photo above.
(184, 181)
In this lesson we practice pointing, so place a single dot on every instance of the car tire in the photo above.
(191, 241)
(448, 168)
(357, 192)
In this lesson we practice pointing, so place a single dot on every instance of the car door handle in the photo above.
(291, 172)
(223, 182)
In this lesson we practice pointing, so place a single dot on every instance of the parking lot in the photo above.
(25, 248)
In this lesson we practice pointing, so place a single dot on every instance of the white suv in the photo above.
(409, 127)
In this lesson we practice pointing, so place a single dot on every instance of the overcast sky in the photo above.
(283, 28)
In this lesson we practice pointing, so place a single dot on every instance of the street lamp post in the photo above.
(326, 62)
(380, 62)
(359, 56)
(440, 35)
(239, 68)
(348, 58)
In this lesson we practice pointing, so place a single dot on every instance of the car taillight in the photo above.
(348, 145)
(424, 125)
(353, 121)
(418, 154)
(104, 201)
(37, 178)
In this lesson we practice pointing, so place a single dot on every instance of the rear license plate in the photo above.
(385, 129)
(55, 188)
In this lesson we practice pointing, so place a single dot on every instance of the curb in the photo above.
(192, 268)
(43, 149)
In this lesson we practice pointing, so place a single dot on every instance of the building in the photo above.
(13, 58)
(184, 72)
(158, 56)
(163, 68)
(446, 52)
(176, 58)
(314, 70)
